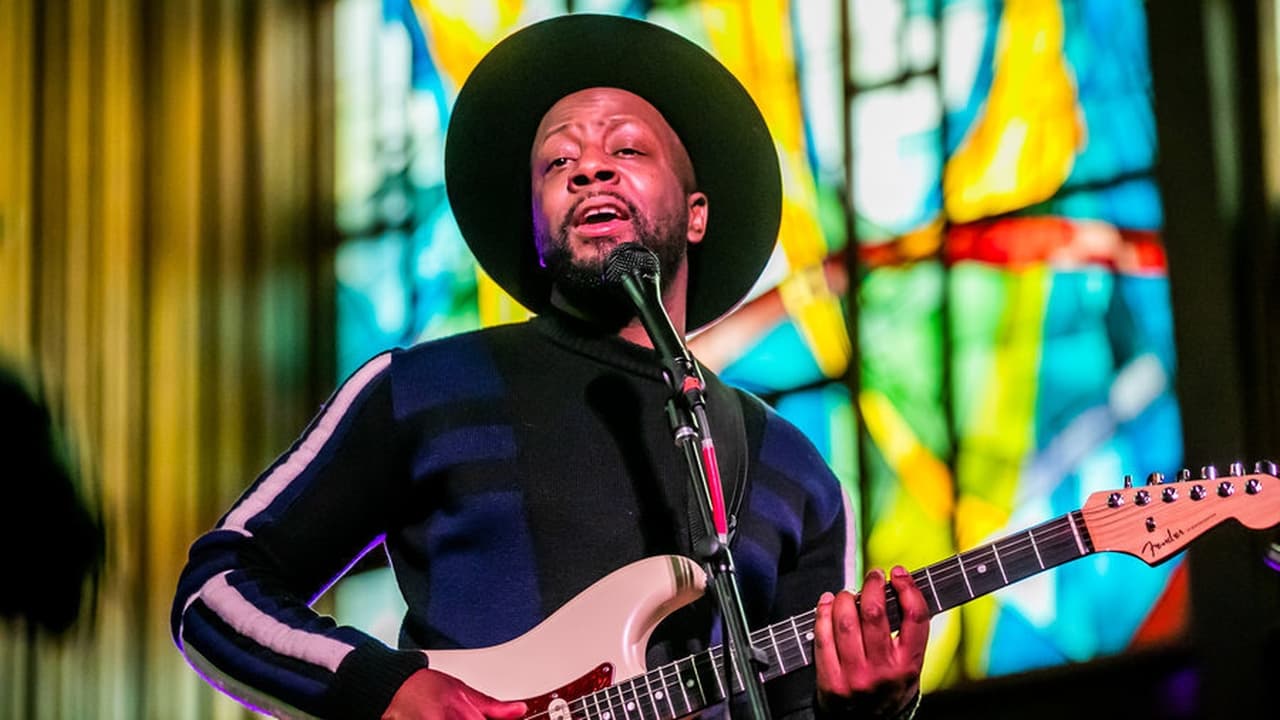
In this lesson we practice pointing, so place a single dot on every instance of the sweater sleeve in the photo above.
(825, 559)
(242, 614)
(824, 551)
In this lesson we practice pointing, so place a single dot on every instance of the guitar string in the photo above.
(1056, 534)
(1059, 535)
(1101, 519)
(788, 653)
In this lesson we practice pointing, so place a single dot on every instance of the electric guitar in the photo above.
(601, 634)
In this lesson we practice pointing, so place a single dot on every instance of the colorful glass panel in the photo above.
(988, 164)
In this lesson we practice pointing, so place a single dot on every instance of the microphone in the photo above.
(634, 269)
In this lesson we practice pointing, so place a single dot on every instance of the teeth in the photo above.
(600, 215)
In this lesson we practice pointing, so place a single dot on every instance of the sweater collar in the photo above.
(586, 339)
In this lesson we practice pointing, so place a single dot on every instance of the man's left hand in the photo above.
(863, 668)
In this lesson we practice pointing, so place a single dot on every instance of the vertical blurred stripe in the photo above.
(17, 95)
(165, 284)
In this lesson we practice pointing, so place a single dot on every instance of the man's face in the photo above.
(606, 170)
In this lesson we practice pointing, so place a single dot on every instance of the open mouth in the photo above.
(600, 216)
(602, 211)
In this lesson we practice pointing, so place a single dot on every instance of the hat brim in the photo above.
(500, 105)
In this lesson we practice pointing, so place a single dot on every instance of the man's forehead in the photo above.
(614, 103)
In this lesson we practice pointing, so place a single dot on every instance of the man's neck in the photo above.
(633, 331)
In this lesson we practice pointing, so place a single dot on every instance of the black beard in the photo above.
(582, 284)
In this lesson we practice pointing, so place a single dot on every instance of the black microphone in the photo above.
(633, 269)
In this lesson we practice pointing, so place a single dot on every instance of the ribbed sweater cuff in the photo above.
(369, 677)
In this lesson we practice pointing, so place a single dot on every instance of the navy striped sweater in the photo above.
(506, 470)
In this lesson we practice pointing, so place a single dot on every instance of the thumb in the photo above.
(495, 709)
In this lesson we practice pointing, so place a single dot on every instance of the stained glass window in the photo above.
(970, 258)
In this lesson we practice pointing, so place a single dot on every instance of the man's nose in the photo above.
(593, 168)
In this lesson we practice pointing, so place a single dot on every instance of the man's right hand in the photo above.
(431, 695)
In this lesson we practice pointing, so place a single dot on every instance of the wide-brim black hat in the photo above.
(500, 105)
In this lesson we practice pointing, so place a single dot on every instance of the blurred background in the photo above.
(1026, 251)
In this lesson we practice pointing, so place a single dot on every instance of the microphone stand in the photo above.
(686, 412)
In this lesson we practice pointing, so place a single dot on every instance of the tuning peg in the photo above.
(1155, 478)
(1236, 469)
(1265, 466)
(1184, 475)
(1128, 481)
(1208, 472)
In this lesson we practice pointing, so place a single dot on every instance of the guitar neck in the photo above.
(693, 683)
(945, 584)
(985, 569)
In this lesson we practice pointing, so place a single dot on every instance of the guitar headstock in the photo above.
(1156, 520)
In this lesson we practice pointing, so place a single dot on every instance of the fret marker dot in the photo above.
(631, 705)
(982, 568)
(688, 683)
(605, 715)
(658, 695)
(808, 636)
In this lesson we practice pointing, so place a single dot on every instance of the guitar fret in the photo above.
(964, 575)
(648, 694)
(1031, 534)
(934, 588)
(603, 715)
(716, 674)
(1079, 543)
(666, 690)
(799, 643)
(777, 653)
(622, 698)
(693, 667)
(688, 706)
(999, 564)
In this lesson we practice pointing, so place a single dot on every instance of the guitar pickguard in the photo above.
(556, 703)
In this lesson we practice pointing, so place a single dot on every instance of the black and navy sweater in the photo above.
(506, 470)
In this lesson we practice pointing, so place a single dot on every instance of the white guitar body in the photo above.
(598, 636)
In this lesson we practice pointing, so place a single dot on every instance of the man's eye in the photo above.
(558, 163)
(628, 151)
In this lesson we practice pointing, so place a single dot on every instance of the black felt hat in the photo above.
(500, 105)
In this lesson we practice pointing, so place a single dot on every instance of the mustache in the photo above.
(567, 221)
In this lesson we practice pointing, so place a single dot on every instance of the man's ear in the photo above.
(697, 217)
